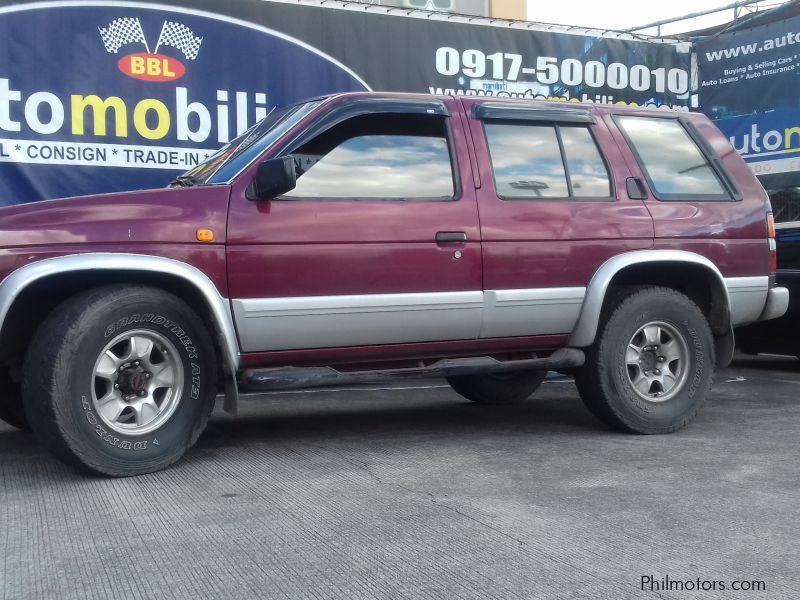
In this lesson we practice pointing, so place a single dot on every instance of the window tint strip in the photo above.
(564, 160)
(508, 112)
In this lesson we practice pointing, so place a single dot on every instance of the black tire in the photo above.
(11, 410)
(498, 388)
(605, 382)
(60, 381)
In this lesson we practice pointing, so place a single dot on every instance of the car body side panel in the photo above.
(740, 257)
(167, 216)
(208, 258)
(161, 222)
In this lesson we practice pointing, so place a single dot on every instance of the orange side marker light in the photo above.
(205, 235)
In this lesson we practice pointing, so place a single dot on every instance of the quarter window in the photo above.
(389, 157)
(675, 167)
(528, 162)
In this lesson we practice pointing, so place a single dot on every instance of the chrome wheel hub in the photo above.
(656, 361)
(137, 382)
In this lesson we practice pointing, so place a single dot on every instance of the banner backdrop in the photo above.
(749, 83)
(108, 96)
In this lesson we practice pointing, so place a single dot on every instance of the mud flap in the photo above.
(231, 404)
(724, 346)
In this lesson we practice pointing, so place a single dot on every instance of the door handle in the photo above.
(635, 188)
(451, 237)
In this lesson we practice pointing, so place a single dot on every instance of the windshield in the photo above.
(237, 154)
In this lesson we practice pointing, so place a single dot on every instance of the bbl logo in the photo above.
(150, 66)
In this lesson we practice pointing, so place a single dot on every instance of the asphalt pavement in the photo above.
(412, 492)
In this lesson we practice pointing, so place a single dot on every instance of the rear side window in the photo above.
(534, 160)
(675, 167)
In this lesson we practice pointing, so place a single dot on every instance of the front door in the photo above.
(378, 244)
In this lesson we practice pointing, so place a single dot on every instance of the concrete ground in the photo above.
(412, 492)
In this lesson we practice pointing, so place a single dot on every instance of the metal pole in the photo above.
(690, 16)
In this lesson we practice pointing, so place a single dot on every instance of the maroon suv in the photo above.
(364, 236)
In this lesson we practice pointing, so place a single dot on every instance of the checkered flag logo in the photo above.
(181, 37)
(119, 32)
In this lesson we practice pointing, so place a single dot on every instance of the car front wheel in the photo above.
(120, 380)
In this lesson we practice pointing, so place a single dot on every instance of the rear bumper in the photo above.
(777, 304)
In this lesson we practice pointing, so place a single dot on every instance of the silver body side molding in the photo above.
(748, 297)
(541, 311)
(356, 320)
(777, 304)
(586, 329)
(17, 281)
(291, 323)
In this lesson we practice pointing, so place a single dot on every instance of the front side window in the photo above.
(534, 160)
(389, 157)
(675, 167)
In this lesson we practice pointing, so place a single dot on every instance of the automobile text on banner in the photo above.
(108, 96)
(749, 83)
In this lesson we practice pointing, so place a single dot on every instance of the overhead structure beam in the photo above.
(700, 13)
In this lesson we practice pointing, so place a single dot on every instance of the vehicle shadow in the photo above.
(384, 416)
(764, 362)
(396, 420)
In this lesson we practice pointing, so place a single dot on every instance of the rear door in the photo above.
(378, 244)
(553, 207)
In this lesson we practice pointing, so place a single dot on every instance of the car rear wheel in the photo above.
(652, 363)
(498, 388)
(120, 380)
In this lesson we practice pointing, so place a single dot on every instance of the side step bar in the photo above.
(286, 378)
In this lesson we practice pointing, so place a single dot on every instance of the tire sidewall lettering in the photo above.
(107, 436)
(699, 361)
(157, 320)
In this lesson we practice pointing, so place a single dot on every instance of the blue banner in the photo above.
(749, 83)
(96, 99)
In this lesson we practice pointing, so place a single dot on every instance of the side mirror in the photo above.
(273, 178)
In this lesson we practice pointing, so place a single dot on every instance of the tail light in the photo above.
(773, 248)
